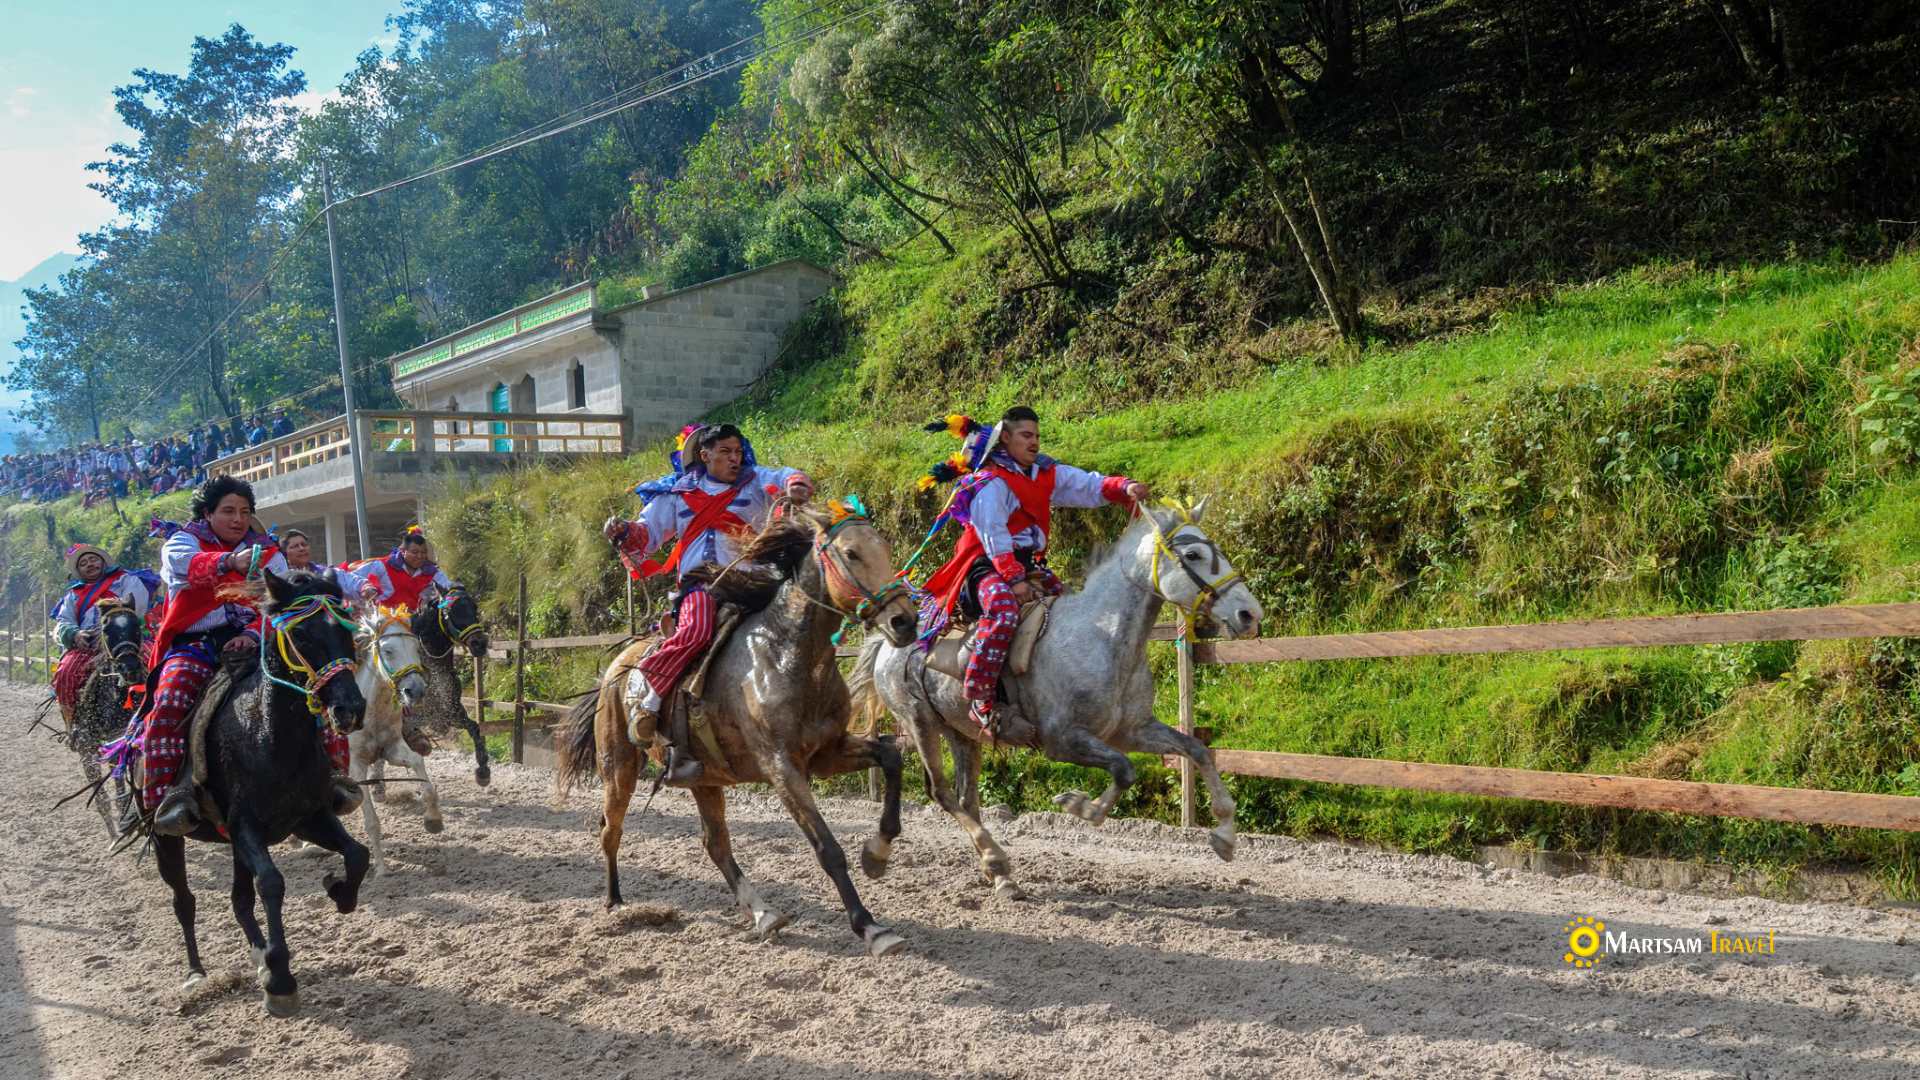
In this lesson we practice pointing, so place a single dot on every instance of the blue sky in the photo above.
(61, 59)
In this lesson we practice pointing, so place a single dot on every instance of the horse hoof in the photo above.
(873, 857)
(1075, 803)
(434, 824)
(483, 777)
(1222, 846)
(768, 923)
(1005, 889)
(194, 978)
(282, 1005)
(885, 943)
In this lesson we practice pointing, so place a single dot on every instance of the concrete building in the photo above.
(663, 360)
(563, 375)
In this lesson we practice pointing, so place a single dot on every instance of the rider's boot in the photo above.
(178, 813)
(683, 769)
(643, 719)
(346, 795)
(987, 715)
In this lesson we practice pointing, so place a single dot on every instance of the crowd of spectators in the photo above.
(99, 471)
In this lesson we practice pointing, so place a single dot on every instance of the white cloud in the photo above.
(310, 101)
(19, 103)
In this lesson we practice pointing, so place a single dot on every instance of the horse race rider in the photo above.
(297, 548)
(1004, 499)
(405, 574)
(76, 619)
(722, 494)
(218, 548)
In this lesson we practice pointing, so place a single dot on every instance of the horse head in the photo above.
(312, 644)
(121, 634)
(456, 616)
(856, 563)
(388, 638)
(1191, 573)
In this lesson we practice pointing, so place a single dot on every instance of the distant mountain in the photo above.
(13, 323)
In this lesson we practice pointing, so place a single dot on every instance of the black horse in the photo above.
(103, 707)
(269, 778)
(443, 625)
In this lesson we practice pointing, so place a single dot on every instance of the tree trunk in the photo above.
(887, 190)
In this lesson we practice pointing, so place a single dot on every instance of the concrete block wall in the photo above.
(693, 350)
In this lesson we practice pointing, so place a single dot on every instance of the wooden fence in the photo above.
(30, 634)
(1804, 806)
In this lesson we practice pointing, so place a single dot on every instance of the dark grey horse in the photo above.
(269, 777)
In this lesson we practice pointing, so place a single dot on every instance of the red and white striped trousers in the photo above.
(692, 632)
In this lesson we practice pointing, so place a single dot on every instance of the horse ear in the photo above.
(279, 588)
(1199, 508)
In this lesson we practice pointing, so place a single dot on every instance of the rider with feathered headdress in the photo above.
(1004, 501)
(716, 493)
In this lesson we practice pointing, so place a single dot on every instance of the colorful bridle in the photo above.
(850, 511)
(392, 623)
(282, 624)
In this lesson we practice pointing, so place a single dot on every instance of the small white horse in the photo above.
(392, 683)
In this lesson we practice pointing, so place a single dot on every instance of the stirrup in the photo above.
(347, 795)
(682, 770)
(177, 814)
(633, 729)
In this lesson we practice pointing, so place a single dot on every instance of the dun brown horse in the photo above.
(776, 703)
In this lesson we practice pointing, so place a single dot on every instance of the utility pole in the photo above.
(354, 444)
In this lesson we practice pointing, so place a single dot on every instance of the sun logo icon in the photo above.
(1583, 941)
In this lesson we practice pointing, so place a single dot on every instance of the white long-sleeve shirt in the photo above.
(175, 557)
(664, 517)
(128, 588)
(994, 503)
(381, 574)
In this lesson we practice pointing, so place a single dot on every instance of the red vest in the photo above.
(407, 585)
(1035, 497)
(191, 603)
(86, 594)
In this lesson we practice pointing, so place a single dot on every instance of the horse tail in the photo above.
(575, 749)
(864, 691)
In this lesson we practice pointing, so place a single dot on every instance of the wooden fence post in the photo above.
(633, 627)
(520, 677)
(46, 631)
(1184, 647)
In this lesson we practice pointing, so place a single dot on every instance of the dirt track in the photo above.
(486, 954)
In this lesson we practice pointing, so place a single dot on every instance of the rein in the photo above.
(282, 625)
(1206, 592)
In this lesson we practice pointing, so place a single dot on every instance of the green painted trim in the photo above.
(493, 331)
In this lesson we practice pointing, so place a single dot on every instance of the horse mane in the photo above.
(255, 592)
(1110, 554)
(778, 550)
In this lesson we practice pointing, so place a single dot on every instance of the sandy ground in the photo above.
(486, 953)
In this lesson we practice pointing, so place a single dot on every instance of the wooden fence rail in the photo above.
(1804, 806)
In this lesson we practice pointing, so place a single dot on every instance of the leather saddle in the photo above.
(950, 654)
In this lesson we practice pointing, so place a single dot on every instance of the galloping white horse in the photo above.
(392, 683)
(1088, 698)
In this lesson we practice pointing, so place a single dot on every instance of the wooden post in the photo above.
(46, 631)
(520, 677)
(1184, 647)
(633, 627)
